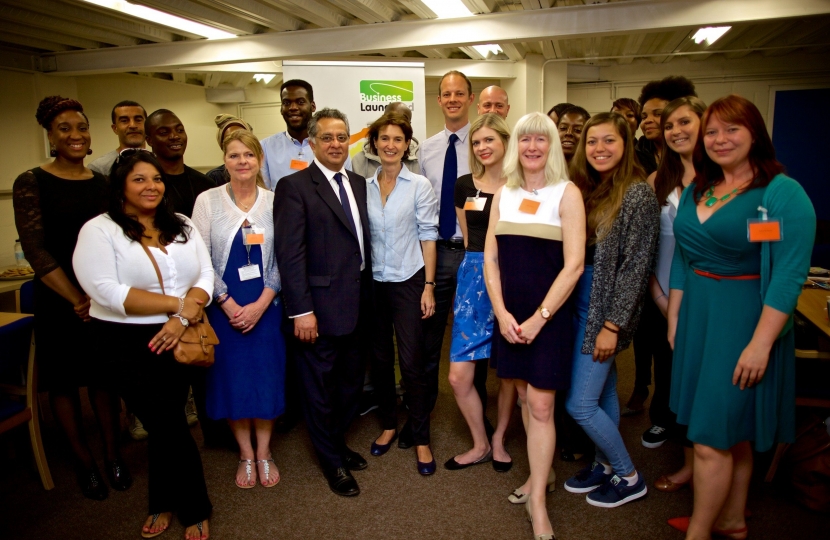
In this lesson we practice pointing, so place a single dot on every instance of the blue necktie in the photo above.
(344, 200)
(446, 214)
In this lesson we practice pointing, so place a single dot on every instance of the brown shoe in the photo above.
(664, 484)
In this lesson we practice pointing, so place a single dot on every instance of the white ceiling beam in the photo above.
(514, 51)
(420, 9)
(203, 14)
(261, 14)
(180, 77)
(313, 11)
(33, 42)
(100, 18)
(516, 26)
(16, 15)
(212, 80)
(243, 67)
(472, 53)
(370, 11)
(532, 4)
(480, 6)
(242, 80)
(547, 49)
(48, 35)
(433, 53)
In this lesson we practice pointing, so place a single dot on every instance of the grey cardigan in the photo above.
(623, 262)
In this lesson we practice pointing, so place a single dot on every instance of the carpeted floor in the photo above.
(395, 503)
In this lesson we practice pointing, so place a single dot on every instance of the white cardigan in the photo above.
(108, 264)
(218, 219)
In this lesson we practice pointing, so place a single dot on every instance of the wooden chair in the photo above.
(18, 345)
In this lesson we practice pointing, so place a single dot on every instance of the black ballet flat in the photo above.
(502, 466)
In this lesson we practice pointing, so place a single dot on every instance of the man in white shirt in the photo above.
(493, 99)
(128, 125)
(455, 96)
(321, 242)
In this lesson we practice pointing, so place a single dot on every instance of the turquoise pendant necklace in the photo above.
(711, 200)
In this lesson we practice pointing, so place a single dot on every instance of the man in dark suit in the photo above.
(323, 254)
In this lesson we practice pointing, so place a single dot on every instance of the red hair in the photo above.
(734, 109)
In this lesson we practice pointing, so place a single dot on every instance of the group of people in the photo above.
(555, 245)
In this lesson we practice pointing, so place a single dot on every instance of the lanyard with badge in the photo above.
(475, 204)
(764, 229)
(251, 236)
(530, 206)
(299, 163)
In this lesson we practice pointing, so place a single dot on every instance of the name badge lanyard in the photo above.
(250, 236)
(764, 229)
(476, 203)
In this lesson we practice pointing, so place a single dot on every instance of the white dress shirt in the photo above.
(352, 204)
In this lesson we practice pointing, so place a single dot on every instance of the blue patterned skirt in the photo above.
(472, 329)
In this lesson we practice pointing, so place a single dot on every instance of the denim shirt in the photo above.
(280, 150)
(409, 217)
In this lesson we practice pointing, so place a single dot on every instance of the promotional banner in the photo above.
(362, 90)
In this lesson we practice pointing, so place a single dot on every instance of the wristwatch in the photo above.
(544, 312)
(184, 321)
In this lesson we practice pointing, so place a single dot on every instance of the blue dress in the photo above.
(248, 378)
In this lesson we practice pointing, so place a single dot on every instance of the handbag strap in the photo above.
(155, 266)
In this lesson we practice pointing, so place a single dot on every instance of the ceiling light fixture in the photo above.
(160, 17)
(264, 77)
(448, 9)
(490, 48)
(710, 34)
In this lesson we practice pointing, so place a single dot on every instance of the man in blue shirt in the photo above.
(288, 151)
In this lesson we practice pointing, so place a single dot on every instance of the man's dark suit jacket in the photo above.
(318, 256)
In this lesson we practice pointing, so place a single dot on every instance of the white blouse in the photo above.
(218, 219)
(108, 264)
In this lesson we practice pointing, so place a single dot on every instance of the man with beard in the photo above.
(128, 125)
(288, 151)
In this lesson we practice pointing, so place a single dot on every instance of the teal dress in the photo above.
(718, 317)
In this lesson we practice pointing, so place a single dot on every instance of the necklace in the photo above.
(711, 200)
(240, 203)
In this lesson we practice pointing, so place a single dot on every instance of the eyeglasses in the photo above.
(128, 153)
(328, 139)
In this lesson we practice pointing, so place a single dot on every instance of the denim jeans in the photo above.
(592, 400)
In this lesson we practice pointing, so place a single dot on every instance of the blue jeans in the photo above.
(592, 400)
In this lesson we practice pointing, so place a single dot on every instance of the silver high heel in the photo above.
(517, 497)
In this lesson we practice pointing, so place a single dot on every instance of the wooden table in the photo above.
(812, 304)
(7, 318)
(13, 284)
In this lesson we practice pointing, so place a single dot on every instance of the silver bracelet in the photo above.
(181, 307)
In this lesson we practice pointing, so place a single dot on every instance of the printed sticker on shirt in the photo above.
(249, 271)
(253, 236)
(769, 230)
(298, 165)
(475, 203)
(529, 206)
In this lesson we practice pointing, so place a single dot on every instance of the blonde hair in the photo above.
(535, 123)
(603, 199)
(497, 124)
(251, 143)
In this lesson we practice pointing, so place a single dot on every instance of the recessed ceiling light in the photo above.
(160, 17)
(448, 9)
(710, 34)
(490, 48)
(264, 77)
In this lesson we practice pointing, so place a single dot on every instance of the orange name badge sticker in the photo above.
(764, 231)
(475, 204)
(529, 206)
(255, 239)
(298, 165)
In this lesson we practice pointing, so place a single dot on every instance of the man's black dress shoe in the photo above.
(342, 482)
(118, 474)
(353, 461)
(380, 449)
(92, 484)
(453, 465)
(405, 439)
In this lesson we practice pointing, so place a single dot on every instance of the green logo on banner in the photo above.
(386, 91)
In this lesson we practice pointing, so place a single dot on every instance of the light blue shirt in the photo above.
(431, 158)
(280, 149)
(409, 217)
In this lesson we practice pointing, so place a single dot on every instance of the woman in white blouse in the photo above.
(246, 385)
(137, 324)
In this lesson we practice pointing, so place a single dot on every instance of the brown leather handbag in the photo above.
(195, 347)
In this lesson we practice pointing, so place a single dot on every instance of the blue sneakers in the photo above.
(616, 492)
(587, 479)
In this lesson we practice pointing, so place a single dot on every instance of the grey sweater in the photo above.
(623, 262)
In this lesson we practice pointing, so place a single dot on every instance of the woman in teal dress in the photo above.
(730, 307)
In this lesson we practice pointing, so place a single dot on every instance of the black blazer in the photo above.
(318, 256)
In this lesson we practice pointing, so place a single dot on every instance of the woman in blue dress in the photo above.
(732, 294)
(246, 385)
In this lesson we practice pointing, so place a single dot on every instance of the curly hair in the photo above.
(50, 107)
(603, 199)
(170, 225)
(627, 103)
(390, 119)
(668, 89)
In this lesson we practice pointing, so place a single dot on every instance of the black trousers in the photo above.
(659, 411)
(331, 371)
(398, 309)
(644, 345)
(446, 273)
(155, 388)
